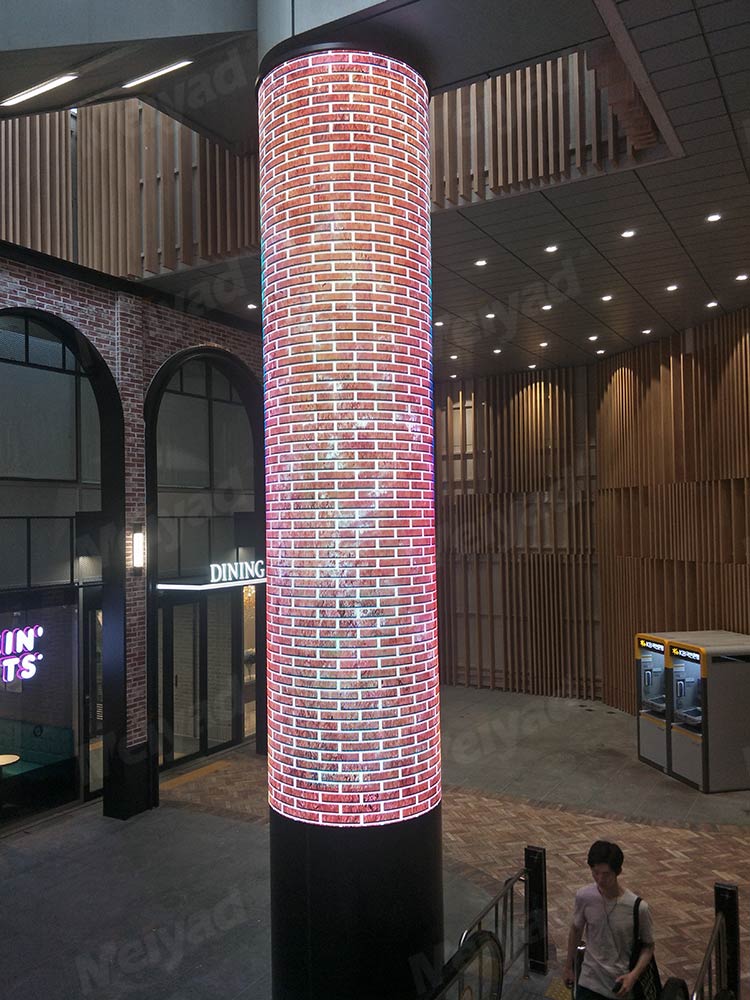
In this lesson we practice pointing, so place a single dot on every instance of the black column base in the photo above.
(356, 914)
(129, 783)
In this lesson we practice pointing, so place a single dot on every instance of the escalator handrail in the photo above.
(459, 963)
(507, 886)
(718, 936)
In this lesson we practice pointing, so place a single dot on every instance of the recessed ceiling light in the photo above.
(453, 376)
(41, 88)
(532, 366)
(480, 263)
(547, 307)
(600, 351)
(741, 277)
(712, 304)
(454, 357)
(490, 316)
(647, 330)
(157, 72)
(544, 343)
(498, 350)
(672, 288)
(606, 298)
(552, 248)
(626, 234)
(593, 337)
(251, 305)
(439, 323)
(713, 217)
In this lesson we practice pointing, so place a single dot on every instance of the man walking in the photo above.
(603, 915)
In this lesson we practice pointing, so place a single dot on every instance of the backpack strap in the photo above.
(635, 950)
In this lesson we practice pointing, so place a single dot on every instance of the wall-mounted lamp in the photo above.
(139, 547)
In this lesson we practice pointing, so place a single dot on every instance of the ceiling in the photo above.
(223, 64)
(697, 56)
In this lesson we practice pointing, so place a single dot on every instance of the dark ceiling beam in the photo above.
(39, 24)
(629, 54)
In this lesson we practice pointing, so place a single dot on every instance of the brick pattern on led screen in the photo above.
(352, 618)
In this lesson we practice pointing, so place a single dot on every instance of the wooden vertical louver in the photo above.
(36, 188)
(534, 126)
(577, 507)
(516, 544)
(154, 196)
(673, 444)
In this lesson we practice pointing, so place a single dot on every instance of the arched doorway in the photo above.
(205, 530)
(62, 575)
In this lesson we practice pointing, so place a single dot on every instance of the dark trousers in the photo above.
(584, 993)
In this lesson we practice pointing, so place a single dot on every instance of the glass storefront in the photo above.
(38, 708)
(207, 659)
(249, 655)
(50, 574)
(196, 674)
(93, 698)
(52, 748)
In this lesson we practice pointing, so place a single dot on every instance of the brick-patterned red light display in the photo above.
(352, 618)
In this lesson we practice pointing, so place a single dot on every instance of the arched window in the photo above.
(51, 710)
(204, 481)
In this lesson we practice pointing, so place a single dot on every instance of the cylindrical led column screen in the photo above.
(352, 618)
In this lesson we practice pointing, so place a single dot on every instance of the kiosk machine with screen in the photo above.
(709, 731)
(652, 700)
(694, 706)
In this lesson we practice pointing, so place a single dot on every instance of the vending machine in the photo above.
(708, 727)
(652, 700)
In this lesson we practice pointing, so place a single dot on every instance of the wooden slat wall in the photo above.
(515, 530)
(673, 441)
(155, 196)
(577, 507)
(522, 130)
(36, 188)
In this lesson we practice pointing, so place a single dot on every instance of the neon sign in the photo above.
(18, 659)
(229, 572)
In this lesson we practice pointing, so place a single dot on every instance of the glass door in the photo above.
(179, 662)
(249, 661)
(93, 699)
(198, 667)
(219, 686)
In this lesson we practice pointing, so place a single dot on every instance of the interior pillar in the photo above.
(353, 724)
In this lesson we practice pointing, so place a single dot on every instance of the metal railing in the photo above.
(719, 974)
(499, 916)
(712, 976)
(525, 939)
(475, 972)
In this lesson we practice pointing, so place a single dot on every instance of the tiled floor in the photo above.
(174, 904)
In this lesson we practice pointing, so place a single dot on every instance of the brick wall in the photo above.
(352, 631)
(135, 337)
